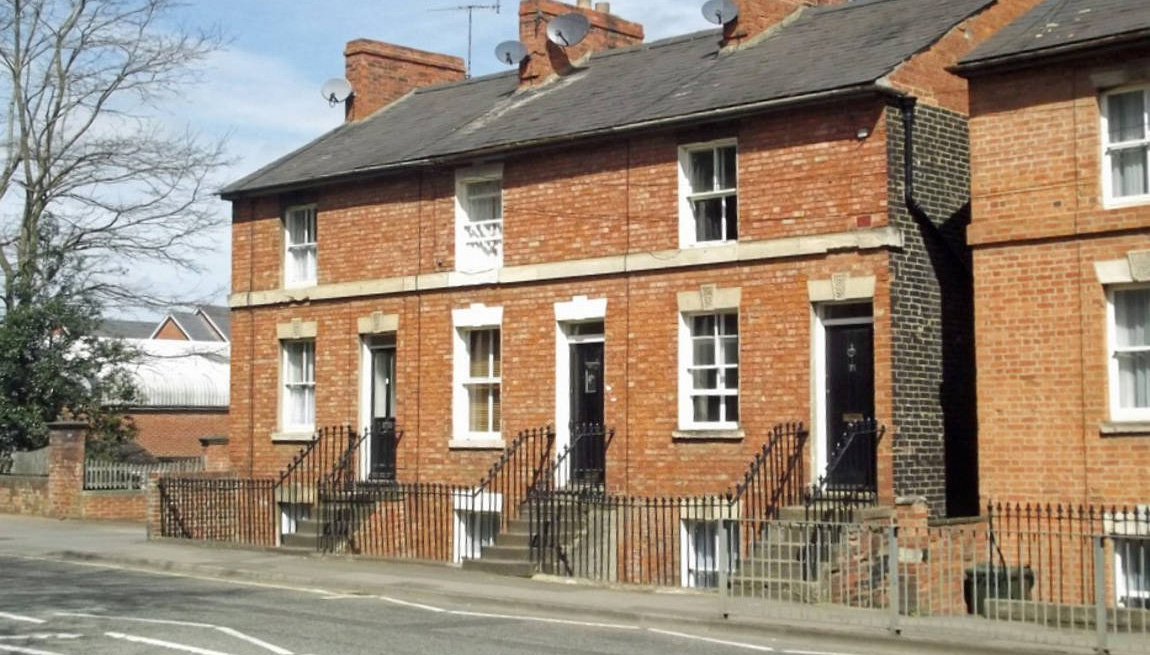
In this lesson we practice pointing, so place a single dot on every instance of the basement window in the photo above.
(1132, 572)
(474, 531)
(1126, 146)
(700, 545)
(709, 197)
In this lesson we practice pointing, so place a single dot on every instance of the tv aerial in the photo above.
(511, 53)
(470, 9)
(568, 30)
(720, 12)
(336, 90)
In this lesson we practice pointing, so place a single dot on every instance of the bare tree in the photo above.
(92, 182)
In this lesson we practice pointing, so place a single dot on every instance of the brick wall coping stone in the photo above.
(741, 252)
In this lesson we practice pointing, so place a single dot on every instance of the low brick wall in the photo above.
(26, 495)
(114, 505)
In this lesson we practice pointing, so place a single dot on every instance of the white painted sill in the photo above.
(729, 434)
(1125, 203)
(293, 437)
(476, 444)
(1125, 429)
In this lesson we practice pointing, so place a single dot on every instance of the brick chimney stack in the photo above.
(758, 16)
(381, 73)
(545, 59)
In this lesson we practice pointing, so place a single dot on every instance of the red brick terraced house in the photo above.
(689, 240)
(1061, 241)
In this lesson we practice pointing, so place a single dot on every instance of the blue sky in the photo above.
(263, 90)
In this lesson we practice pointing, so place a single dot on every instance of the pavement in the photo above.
(433, 588)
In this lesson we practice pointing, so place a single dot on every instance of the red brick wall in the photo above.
(170, 331)
(801, 174)
(1039, 227)
(23, 495)
(177, 434)
(925, 76)
(114, 505)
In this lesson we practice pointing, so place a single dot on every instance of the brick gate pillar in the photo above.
(66, 468)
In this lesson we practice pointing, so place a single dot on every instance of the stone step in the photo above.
(309, 526)
(507, 553)
(789, 591)
(511, 568)
(297, 540)
(513, 539)
(820, 510)
(775, 570)
(794, 552)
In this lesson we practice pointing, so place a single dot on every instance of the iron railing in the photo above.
(360, 517)
(223, 509)
(297, 487)
(850, 480)
(775, 477)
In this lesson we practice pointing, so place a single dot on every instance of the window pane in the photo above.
(703, 326)
(1132, 317)
(301, 226)
(479, 349)
(854, 310)
(732, 403)
(1128, 169)
(731, 214)
(1125, 119)
(496, 354)
(705, 380)
(731, 378)
(709, 220)
(730, 349)
(496, 408)
(730, 323)
(704, 352)
(728, 173)
(479, 407)
(707, 409)
(485, 201)
(1134, 380)
(702, 171)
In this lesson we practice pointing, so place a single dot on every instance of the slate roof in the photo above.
(194, 326)
(116, 328)
(1060, 25)
(826, 49)
(221, 317)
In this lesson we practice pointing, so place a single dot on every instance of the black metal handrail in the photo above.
(344, 474)
(774, 477)
(298, 485)
(512, 476)
(855, 450)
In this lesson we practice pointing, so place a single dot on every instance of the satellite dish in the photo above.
(336, 90)
(720, 12)
(568, 30)
(511, 53)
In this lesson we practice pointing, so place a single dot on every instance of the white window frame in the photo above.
(477, 518)
(466, 321)
(287, 385)
(687, 196)
(466, 261)
(1122, 594)
(1109, 199)
(688, 574)
(1118, 414)
(687, 365)
(291, 249)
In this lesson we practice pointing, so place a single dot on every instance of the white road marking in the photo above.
(164, 644)
(25, 651)
(231, 632)
(541, 619)
(332, 595)
(252, 640)
(709, 640)
(17, 617)
(39, 636)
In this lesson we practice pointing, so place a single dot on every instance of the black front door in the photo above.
(850, 398)
(382, 444)
(587, 433)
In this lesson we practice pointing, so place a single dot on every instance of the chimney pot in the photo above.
(585, 4)
(603, 7)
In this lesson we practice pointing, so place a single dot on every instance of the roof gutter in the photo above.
(1046, 55)
(697, 117)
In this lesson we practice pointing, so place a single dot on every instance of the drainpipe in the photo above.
(907, 105)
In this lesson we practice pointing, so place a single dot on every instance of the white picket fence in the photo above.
(113, 476)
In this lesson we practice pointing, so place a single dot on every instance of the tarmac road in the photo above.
(60, 608)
